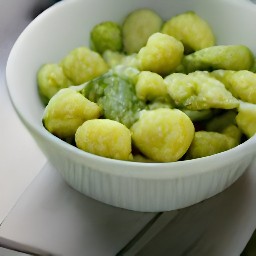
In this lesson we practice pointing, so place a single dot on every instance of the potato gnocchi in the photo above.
(94, 136)
(151, 90)
(163, 135)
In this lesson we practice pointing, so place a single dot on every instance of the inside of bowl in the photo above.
(66, 26)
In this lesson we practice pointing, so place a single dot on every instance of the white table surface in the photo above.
(39, 213)
(20, 159)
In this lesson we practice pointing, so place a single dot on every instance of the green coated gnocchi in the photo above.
(83, 64)
(105, 138)
(242, 84)
(163, 135)
(246, 118)
(106, 36)
(162, 54)
(150, 86)
(66, 111)
(228, 57)
(209, 143)
(50, 79)
(199, 91)
(193, 31)
(151, 91)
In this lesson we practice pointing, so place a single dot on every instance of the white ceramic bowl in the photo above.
(149, 187)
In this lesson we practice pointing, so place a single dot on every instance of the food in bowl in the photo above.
(154, 88)
(151, 186)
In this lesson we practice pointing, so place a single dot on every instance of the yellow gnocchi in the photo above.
(154, 90)
(162, 54)
(82, 65)
(105, 138)
(66, 111)
(163, 134)
(150, 86)
(193, 31)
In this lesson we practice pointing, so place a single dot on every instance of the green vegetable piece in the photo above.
(66, 111)
(162, 54)
(50, 79)
(120, 102)
(246, 118)
(199, 91)
(242, 84)
(228, 57)
(193, 31)
(209, 143)
(106, 36)
(83, 64)
(115, 93)
(94, 89)
(138, 26)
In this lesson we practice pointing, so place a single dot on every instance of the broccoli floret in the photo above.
(106, 36)
(115, 93)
